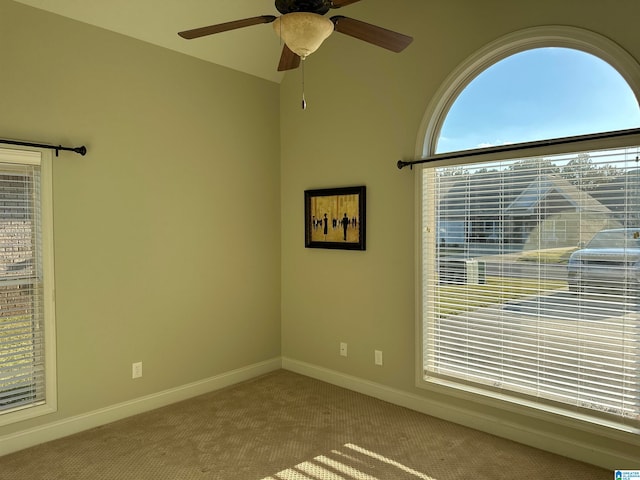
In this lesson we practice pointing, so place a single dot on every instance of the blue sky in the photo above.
(539, 94)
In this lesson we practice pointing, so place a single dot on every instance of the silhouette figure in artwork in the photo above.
(345, 225)
(326, 225)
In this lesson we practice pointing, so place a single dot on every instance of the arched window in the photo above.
(537, 94)
(530, 228)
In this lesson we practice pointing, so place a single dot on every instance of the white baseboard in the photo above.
(68, 426)
(550, 442)
(554, 443)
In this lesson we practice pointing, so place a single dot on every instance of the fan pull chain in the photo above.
(304, 101)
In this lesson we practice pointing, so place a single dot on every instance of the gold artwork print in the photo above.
(334, 218)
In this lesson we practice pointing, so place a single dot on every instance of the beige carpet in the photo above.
(284, 426)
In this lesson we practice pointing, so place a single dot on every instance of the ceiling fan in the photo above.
(303, 28)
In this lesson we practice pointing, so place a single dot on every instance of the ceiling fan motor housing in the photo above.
(312, 6)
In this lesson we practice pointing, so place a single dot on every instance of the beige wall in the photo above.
(167, 238)
(365, 107)
(179, 238)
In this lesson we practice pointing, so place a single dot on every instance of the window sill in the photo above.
(564, 417)
(27, 412)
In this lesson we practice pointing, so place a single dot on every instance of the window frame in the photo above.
(43, 158)
(455, 83)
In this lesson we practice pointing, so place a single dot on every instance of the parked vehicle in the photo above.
(610, 262)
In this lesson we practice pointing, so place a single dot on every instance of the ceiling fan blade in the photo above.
(394, 41)
(342, 3)
(224, 27)
(288, 60)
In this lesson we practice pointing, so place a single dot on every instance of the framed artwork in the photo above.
(335, 218)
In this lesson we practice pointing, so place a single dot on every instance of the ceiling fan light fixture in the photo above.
(303, 32)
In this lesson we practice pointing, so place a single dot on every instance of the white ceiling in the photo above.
(254, 50)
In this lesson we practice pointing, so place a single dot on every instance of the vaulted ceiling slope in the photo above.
(254, 50)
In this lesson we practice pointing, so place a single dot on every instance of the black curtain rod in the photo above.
(519, 146)
(82, 150)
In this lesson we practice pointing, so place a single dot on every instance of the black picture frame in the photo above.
(335, 218)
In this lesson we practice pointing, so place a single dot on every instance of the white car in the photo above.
(609, 262)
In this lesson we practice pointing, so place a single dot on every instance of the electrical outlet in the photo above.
(343, 349)
(378, 357)
(136, 370)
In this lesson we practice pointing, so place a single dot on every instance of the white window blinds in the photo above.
(531, 280)
(22, 358)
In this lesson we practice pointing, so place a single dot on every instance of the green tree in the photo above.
(584, 174)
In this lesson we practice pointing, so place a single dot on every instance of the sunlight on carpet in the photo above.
(350, 463)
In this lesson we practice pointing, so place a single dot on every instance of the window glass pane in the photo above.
(536, 95)
(22, 359)
(531, 278)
